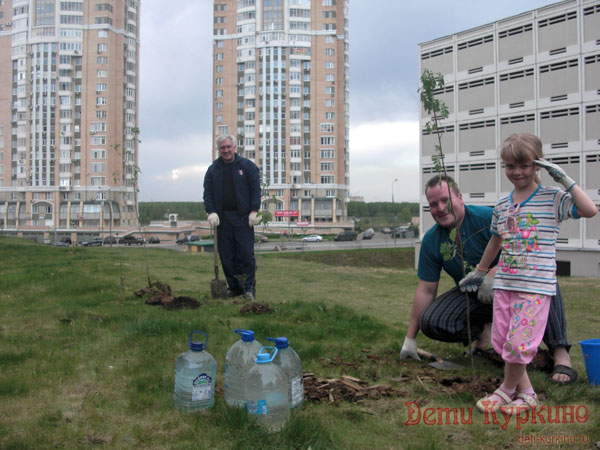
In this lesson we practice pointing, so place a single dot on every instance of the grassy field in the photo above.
(84, 366)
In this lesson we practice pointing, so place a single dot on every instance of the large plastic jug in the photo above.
(266, 392)
(238, 362)
(290, 363)
(195, 372)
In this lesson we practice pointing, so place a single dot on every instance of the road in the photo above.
(380, 240)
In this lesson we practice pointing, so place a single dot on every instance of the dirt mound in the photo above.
(255, 308)
(160, 294)
(346, 388)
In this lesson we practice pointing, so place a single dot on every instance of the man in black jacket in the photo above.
(232, 201)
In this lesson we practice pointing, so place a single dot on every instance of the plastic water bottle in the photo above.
(238, 362)
(195, 372)
(267, 393)
(290, 364)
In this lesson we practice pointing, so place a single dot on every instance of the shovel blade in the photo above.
(445, 365)
(218, 288)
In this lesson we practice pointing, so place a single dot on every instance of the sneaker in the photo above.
(249, 296)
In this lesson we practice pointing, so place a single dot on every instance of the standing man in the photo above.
(444, 318)
(232, 201)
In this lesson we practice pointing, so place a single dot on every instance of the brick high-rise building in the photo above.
(536, 72)
(281, 86)
(68, 116)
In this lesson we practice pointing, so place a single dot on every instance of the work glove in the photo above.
(472, 281)
(409, 349)
(253, 219)
(213, 220)
(557, 173)
(485, 293)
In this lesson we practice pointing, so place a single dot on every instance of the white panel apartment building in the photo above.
(537, 72)
(68, 116)
(281, 86)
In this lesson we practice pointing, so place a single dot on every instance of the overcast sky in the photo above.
(176, 85)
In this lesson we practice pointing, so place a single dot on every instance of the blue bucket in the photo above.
(591, 356)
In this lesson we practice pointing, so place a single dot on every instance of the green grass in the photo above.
(80, 367)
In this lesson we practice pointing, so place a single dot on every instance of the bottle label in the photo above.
(258, 407)
(201, 388)
(297, 390)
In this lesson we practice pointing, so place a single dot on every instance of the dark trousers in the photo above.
(236, 250)
(446, 319)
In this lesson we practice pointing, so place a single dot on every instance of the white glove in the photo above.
(557, 173)
(485, 294)
(409, 349)
(253, 219)
(472, 281)
(213, 220)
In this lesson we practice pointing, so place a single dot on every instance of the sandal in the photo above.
(522, 401)
(488, 404)
(566, 370)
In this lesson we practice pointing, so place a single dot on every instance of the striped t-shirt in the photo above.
(529, 231)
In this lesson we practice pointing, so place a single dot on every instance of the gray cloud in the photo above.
(176, 85)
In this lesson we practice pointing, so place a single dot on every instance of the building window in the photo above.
(97, 181)
(219, 93)
(102, 33)
(329, 52)
(327, 167)
(329, 102)
(101, 60)
(327, 179)
(219, 56)
(100, 87)
(101, 101)
(329, 65)
(101, 73)
(327, 140)
(330, 90)
(102, 48)
(222, 129)
(101, 114)
(329, 115)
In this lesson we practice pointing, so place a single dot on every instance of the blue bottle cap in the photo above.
(197, 346)
(280, 342)
(263, 358)
(247, 335)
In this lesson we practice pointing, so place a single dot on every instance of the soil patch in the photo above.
(255, 308)
(159, 294)
(346, 388)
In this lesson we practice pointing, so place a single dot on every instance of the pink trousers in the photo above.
(519, 323)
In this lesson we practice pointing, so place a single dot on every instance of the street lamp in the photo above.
(393, 190)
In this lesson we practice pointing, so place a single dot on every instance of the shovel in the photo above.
(218, 288)
(438, 363)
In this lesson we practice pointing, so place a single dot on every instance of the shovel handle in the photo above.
(422, 353)
(215, 250)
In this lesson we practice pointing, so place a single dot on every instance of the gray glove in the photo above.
(213, 219)
(409, 349)
(472, 281)
(485, 293)
(253, 219)
(557, 173)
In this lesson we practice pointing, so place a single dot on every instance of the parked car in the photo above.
(131, 239)
(188, 238)
(66, 241)
(108, 240)
(261, 238)
(346, 236)
(313, 238)
(386, 230)
(153, 240)
(369, 233)
(94, 242)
